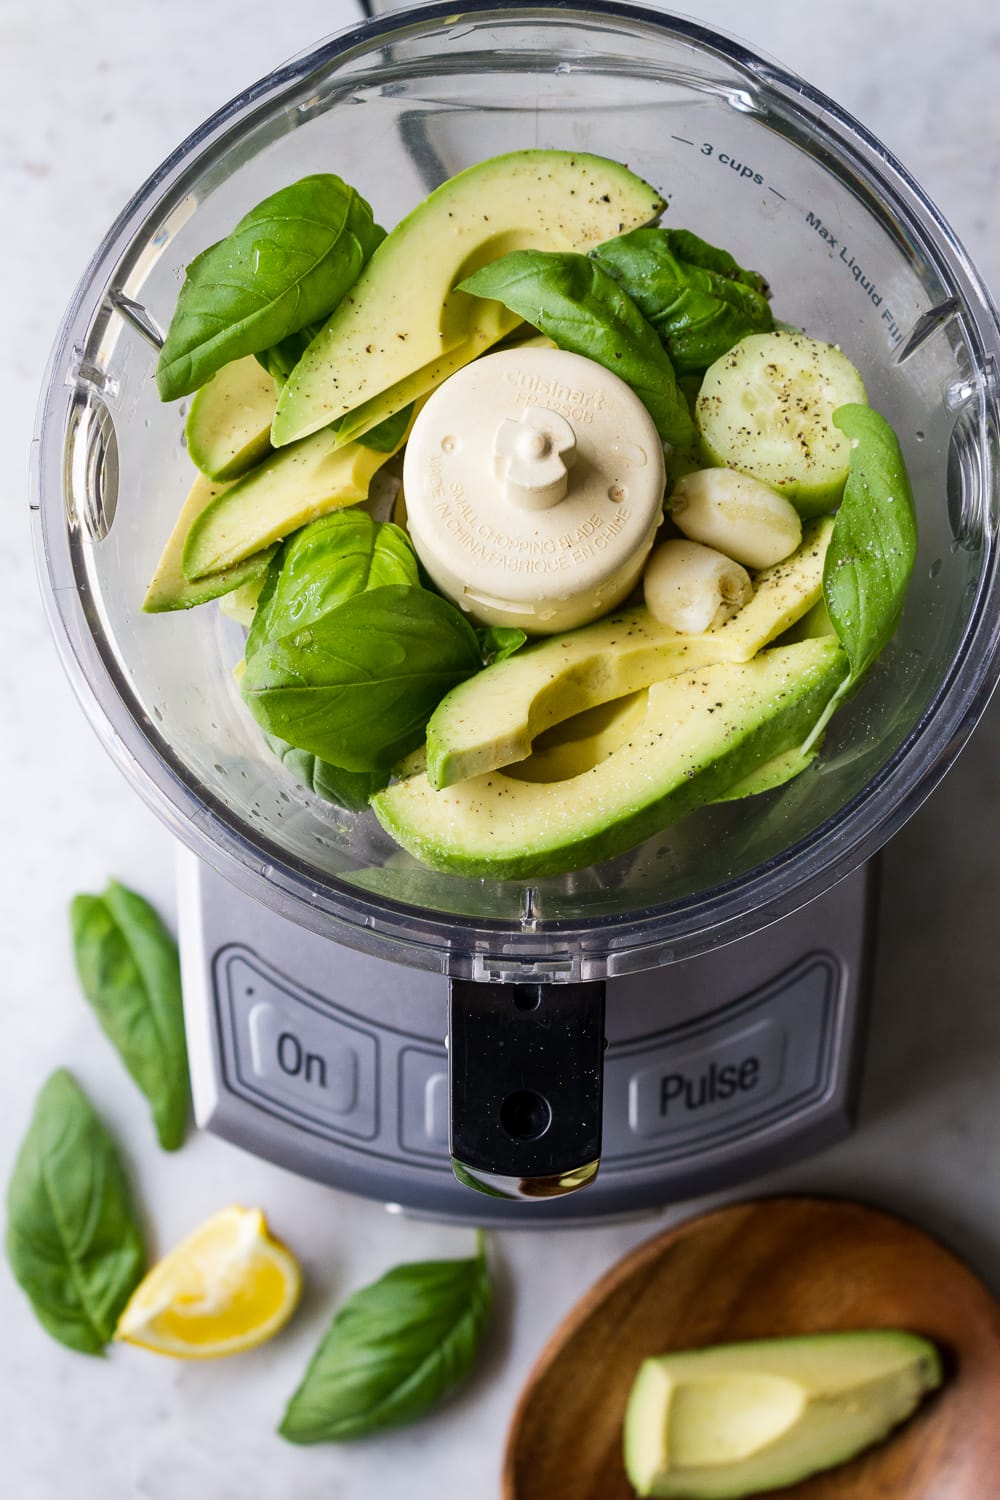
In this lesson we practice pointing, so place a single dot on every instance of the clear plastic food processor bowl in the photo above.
(748, 156)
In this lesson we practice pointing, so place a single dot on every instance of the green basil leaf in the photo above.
(326, 563)
(874, 542)
(581, 308)
(129, 971)
(73, 1238)
(386, 436)
(393, 1351)
(357, 685)
(348, 789)
(497, 642)
(697, 298)
(287, 264)
(281, 358)
(872, 549)
(688, 247)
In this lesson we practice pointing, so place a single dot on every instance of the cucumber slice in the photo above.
(766, 408)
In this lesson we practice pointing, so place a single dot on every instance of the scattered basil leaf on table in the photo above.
(129, 969)
(697, 298)
(581, 308)
(393, 1351)
(873, 546)
(357, 686)
(287, 264)
(497, 642)
(73, 1238)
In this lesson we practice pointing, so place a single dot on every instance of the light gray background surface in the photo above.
(91, 99)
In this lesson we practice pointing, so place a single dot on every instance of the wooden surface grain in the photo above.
(769, 1268)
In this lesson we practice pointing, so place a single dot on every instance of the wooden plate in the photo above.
(774, 1267)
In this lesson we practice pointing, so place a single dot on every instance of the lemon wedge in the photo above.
(227, 1287)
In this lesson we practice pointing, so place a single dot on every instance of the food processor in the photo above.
(684, 1015)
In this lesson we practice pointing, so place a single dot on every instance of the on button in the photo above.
(282, 1053)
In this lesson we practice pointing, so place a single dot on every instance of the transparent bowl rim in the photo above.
(477, 946)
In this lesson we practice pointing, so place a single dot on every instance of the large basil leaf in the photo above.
(874, 543)
(323, 565)
(129, 970)
(349, 789)
(581, 308)
(357, 686)
(394, 1350)
(288, 263)
(872, 549)
(73, 1238)
(695, 295)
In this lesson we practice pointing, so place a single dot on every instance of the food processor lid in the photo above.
(76, 463)
(534, 487)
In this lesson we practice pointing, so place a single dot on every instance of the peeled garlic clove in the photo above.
(693, 588)
(739, 515)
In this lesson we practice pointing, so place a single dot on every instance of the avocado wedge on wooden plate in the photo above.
(801, 1270)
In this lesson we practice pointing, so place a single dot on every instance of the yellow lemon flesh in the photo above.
(229, 1286)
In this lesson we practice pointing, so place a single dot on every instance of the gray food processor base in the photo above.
(333, 1063)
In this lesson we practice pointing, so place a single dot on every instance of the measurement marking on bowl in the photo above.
(745, 171)
(856, 270)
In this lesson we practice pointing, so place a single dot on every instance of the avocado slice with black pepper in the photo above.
(701, 731)
(404, 312)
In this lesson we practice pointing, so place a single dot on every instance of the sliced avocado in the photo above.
(170, 587)
(488, 328)
(772, 774)
(241, 604)
(702, 731)
(739, 1419)
(781, 595)
(575, 745)
(228, 428)
(814, 622)
(495, 717)
(402, 311)
(297, 485)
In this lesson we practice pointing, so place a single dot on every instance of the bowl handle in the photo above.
(526, 1082)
